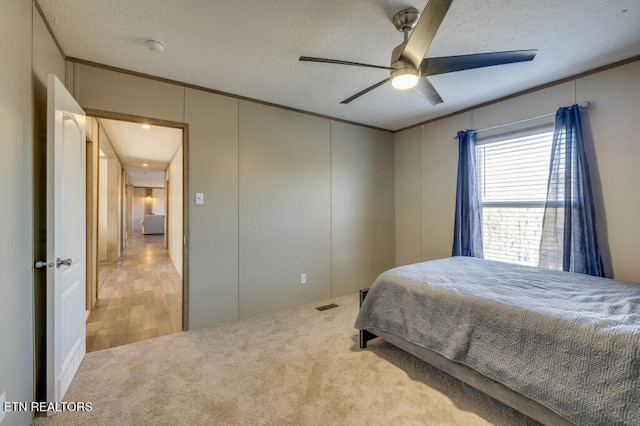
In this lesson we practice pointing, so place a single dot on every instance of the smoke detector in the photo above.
(156, 46)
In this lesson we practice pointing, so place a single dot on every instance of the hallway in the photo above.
(141, 296)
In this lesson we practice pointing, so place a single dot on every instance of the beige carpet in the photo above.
(295, 367)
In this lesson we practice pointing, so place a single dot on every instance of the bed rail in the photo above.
(365, 335)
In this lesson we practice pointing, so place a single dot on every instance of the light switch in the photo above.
(199, 197)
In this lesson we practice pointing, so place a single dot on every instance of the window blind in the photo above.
(513, 171)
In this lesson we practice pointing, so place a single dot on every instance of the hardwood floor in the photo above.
(141, 296)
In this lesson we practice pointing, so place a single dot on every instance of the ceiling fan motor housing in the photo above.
(403, 75)
(406, 19)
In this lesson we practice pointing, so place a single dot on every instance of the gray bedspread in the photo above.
(568, 341)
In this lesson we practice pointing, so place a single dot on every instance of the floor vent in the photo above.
(325, 307)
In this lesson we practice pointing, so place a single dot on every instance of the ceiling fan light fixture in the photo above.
(404, 79)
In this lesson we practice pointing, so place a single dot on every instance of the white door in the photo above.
(66, 274)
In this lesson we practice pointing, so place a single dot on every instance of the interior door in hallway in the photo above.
(66, 238)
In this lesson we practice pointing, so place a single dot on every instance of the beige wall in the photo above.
(175, 199)
(16, 143)
(285, 193)
(110, 197)
(408, 196)
(29, 54)
(157, 201)
(285, 208)
(138, 208)
(92, 155)
(362, 192)
(213, 227)
(103, 211)
(612, 142)
(612, 132)
(129, 207)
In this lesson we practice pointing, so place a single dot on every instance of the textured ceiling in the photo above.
(250, 48)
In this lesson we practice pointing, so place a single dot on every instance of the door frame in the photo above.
(91, 219)
(185, 193)
(167, 213)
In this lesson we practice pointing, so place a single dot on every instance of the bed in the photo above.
(562, 348)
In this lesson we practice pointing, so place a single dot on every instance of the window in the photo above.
(513, 171)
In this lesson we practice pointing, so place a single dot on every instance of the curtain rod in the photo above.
(583, 105)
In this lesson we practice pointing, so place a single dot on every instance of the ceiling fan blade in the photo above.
(428, 92)
(335, 61)
(424, 31)
(362, 92)
(445, 64)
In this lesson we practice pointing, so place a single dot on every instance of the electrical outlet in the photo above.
(3, 399)
(303, 278)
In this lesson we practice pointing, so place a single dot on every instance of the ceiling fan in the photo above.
(409, 68)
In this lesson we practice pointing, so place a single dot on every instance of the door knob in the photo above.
(60, 262)
(42, 264)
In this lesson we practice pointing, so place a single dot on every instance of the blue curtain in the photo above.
(467, 234)
(569, 241)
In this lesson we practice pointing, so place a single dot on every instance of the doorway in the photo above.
(138, 227)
